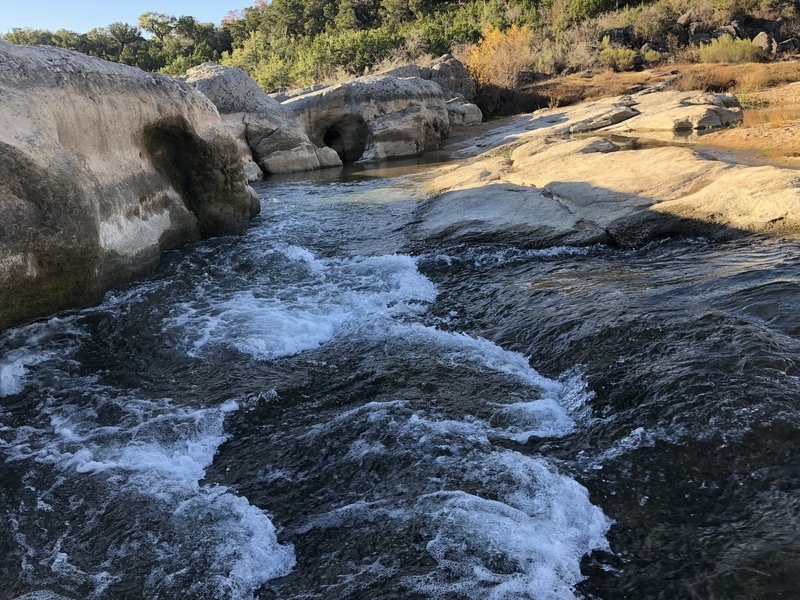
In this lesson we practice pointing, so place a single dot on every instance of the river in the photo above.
(320, 409)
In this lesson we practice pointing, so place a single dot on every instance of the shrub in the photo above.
(616, 58)
(654, 56)
(500, 56)
(725, 49)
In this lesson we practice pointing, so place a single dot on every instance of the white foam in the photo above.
(339, 295)
(13, 368)
(161, 452)
(481, 257)
(520, 531)
(527, 543)
(32, 345)
(459, 348)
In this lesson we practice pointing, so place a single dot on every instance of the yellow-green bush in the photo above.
(725, 49)
(616, 58)
(499, 57)
(654, 56)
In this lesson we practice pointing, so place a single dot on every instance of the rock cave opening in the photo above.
(348, 137)
(198, 171)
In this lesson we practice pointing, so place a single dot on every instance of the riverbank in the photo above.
(621, 171)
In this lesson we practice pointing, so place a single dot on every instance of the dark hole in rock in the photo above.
(199, 171)
(348, 137)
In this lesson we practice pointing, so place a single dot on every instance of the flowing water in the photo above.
(321, 410)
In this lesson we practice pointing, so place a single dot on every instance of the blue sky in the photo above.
(82, 16)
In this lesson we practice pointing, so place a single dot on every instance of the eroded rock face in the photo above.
(463, 113)
(458, 87)
(447, 72)
(268, 131)
(103, 166)
(374, 118)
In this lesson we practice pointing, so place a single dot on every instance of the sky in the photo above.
(81, 15)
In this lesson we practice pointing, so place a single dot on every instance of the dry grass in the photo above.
(770, 118)
(739, 79)
(563, 91)
(743, 80)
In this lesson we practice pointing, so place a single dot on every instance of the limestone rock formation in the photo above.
(682, 111)
(374, 118)
(447, 72)
(463, 113)
(103, 166)
(530, 183)
(458, 87)
(264, 127)
(453, 77)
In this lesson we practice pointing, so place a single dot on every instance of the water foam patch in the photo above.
(487, 257)
(555, 405)
(496, 523)
(155, 458)
(527, 543)
(29, 345)
(335, 296)
(14, 367)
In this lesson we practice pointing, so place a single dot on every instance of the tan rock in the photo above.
(463, 113)
(535, 186)
(276, 141)
(374, 118)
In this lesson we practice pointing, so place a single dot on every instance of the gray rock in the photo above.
(277, 142)
(622, 36)
(375, 117)
(616, 114)
(765, 42)
(449, 73)
(728, 30)
(463, 113)
(696, 27)
(102, 167)
(453, 77)
(700, 38)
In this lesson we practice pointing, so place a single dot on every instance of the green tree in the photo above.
(124, 35)
(159, 24)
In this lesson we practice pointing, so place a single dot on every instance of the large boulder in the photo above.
(453, 77)
(463, 113)
(447, 72)
(374, 118)
(266, 131)
(102, 167)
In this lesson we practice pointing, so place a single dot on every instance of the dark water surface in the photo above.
(316, 411)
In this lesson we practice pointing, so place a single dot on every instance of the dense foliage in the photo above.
(174, 43)
(287, 43)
